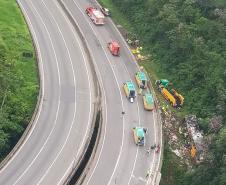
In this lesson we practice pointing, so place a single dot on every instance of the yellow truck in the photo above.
(148, 101)
(169, 97)
(179, 98)
(162, 84)
(141, 79)
(129, 90)
(175, 99)
(139, 135)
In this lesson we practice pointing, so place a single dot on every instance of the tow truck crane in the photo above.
(175, 99)
(162, 84)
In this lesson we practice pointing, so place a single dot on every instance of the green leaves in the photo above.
(18, 76)
(189, 47)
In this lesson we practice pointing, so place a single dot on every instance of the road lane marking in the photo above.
(159, 156)
(42, 85)
(119, 156)
(74, 79)
(153, 115)
(102, 87)
(74, 115)
(137, 150)
(58, 106)
(122, 143)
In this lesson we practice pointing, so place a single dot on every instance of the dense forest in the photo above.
(187, 41)
(18, 76)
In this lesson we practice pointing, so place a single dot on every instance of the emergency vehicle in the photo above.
(95, 15)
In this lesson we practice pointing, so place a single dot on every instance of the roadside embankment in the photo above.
(19, 82)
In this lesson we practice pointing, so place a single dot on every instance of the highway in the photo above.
(117, 160)
(64, 119)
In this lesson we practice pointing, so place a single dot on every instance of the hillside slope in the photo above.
(187, 41)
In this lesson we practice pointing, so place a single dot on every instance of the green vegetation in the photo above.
(186, 40)
(18, 76)
(187, 43)
(172, 173)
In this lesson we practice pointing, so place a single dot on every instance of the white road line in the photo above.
(137, 150)
(138, 115)
(139, 123)
(120, 98)
(83, 55)
(59, 77)
(73, 120)
(102, 87)
(153, 92)
(152, 180)
(153, 113)
(118, 159)
(84, 138)
(42, 80)
(152, 164)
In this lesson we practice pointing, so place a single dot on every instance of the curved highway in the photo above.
(118, 160)
(64, 119)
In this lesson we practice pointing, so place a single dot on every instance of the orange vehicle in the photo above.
(114, 48)
(175, 99)
(179, 98)
(168, 96)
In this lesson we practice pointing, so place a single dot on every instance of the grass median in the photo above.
(19, 84)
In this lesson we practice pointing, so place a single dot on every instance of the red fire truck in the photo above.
(95, 15)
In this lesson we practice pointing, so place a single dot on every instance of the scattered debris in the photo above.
(184, 137)
(196, 135)
(177, 152)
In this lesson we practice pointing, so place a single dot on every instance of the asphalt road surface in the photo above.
(64, 119)
(118, 160)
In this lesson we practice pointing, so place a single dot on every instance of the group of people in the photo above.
(154, 147)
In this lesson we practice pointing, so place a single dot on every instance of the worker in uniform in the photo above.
(158, 149)
(139, 91)
(153, 146)
(148, 174)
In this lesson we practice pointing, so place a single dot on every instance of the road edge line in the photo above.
(98, 103)
(39, 97)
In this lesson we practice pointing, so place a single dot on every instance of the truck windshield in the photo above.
(141, 140)
(143, 82)
(132, 93)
